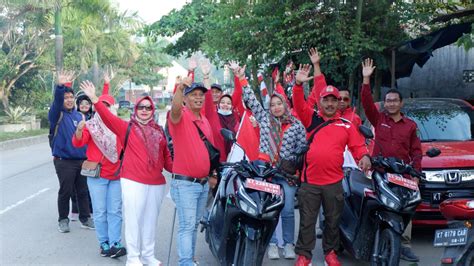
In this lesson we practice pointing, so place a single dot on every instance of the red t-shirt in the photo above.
(191, 157)
(95, 155)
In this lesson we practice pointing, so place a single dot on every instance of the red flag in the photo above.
(247, 138)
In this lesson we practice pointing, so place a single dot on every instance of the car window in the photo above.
(443, 123)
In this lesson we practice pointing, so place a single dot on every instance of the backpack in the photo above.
(52, 133)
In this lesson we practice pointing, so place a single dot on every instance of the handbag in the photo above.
(214, 153)
(91, 169)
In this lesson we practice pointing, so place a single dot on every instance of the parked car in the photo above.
(124, 104)
(446, 124)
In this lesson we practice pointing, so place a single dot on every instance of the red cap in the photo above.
(107, 98)
(329, 90)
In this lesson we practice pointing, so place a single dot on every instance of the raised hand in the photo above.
(367, 67)
(178, 80)
(89, 89)
(241, 72)
(205, 67)
(233, 65)
(314, 56)
(365, 164)
(185, 82)
(81, 124)
(302, 74)
(108, 75)
(65, 77)
(192, 64)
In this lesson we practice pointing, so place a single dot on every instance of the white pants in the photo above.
(141, 206)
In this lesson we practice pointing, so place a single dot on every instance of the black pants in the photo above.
(310, 198)
(70, 179)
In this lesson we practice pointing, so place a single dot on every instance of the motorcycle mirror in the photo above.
(228, 135)
(366, 132)
(433, 152)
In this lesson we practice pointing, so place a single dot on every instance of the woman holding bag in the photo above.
(143, 184)
(104, 185)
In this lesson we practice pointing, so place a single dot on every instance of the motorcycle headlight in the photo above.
(247, 208)
(389, 202)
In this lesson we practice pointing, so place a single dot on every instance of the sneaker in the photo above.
(302, 261)
(63, 226)
(331, 259)
(88, 224)
(105, 249)
(407, 254)
(74, 217)
(117, 250)
(273, 252)
(289, 252)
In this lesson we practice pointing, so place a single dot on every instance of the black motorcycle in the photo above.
(378, 208)
(244, 213)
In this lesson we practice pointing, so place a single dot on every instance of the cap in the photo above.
(195, 86)
(216, 86)
(329, 90)
(107, 98)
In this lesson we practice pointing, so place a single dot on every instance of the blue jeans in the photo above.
(287, 214)
(106, 198)
(190, 199)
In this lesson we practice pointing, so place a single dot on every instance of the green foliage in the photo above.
(161, 106)
(16, 114)
(4, 136)
(262, 32)
(124, 113)
(42, 115)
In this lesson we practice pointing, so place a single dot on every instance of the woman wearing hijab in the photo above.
(84, 105)
(228, 119)
(142, 180)
(280, 136)
(105, 190)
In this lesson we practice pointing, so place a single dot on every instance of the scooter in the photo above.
(244, 213)
(458, 239)
(378, 208)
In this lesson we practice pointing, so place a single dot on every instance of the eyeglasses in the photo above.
(144, 107)
(344, 99)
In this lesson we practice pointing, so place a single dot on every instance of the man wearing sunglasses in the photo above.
(344, 107)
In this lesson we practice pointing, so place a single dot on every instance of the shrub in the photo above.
(16, 114)
(43, 116)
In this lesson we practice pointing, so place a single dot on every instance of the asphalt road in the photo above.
(28, 222)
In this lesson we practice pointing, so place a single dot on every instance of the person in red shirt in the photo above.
(344, 107)
(322, 173)
(103, 147)
(142, 181)
(189, 187)
(395, 134)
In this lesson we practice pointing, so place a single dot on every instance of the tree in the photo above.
(24, 39)
(261, 32)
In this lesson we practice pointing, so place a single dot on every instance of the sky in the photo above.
(150, 10)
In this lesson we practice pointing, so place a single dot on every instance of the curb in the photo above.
(18, 143)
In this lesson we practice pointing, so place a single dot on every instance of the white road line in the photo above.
(23, 201)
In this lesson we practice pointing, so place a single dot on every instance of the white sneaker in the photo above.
(273, 252)
(289, 252)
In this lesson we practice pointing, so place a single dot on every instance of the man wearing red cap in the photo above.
(321, 180)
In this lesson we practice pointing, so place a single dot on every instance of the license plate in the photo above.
(401, 181)
(436, 198)
(450, 237)
(262, 186)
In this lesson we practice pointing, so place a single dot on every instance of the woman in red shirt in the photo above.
(142, 180)
(103, 147)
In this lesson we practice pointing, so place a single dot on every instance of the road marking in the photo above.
(23, 201)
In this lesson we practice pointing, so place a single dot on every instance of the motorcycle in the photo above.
(378, 208)
(244, 213)
(458, 239)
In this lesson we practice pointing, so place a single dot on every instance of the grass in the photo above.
(24, 134)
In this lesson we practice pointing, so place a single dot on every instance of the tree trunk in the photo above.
(58, 45)
(95, 68)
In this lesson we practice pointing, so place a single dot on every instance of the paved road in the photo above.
(28, 227)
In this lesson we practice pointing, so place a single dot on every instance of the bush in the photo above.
(161, 106)
(17, 114)
(43, 116)
(123, 112)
